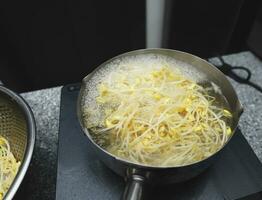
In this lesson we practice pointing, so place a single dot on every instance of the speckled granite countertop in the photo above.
(41, 178)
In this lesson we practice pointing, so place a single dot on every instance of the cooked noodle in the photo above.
(8, 166)
(158, 117)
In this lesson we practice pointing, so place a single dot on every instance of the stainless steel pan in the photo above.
(17, 125)
(139, 176)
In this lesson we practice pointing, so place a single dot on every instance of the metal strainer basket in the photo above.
(17, 125)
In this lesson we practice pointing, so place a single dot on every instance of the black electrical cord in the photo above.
(231, 72)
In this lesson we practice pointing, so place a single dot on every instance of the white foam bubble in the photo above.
(143, 64)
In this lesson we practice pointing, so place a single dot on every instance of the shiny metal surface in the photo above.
(164, 175)
(17, 125)
(135, 188)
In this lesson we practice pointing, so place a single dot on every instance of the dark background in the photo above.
(208, 28)
(49, 43)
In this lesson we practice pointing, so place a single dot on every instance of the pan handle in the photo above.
(135, 188)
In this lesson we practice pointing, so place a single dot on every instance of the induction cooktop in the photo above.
(237, 174)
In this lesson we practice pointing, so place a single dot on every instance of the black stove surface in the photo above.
(237, 174)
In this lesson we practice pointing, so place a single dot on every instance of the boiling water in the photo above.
(143, 64)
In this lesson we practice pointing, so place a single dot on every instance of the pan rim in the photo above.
(140, 165)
